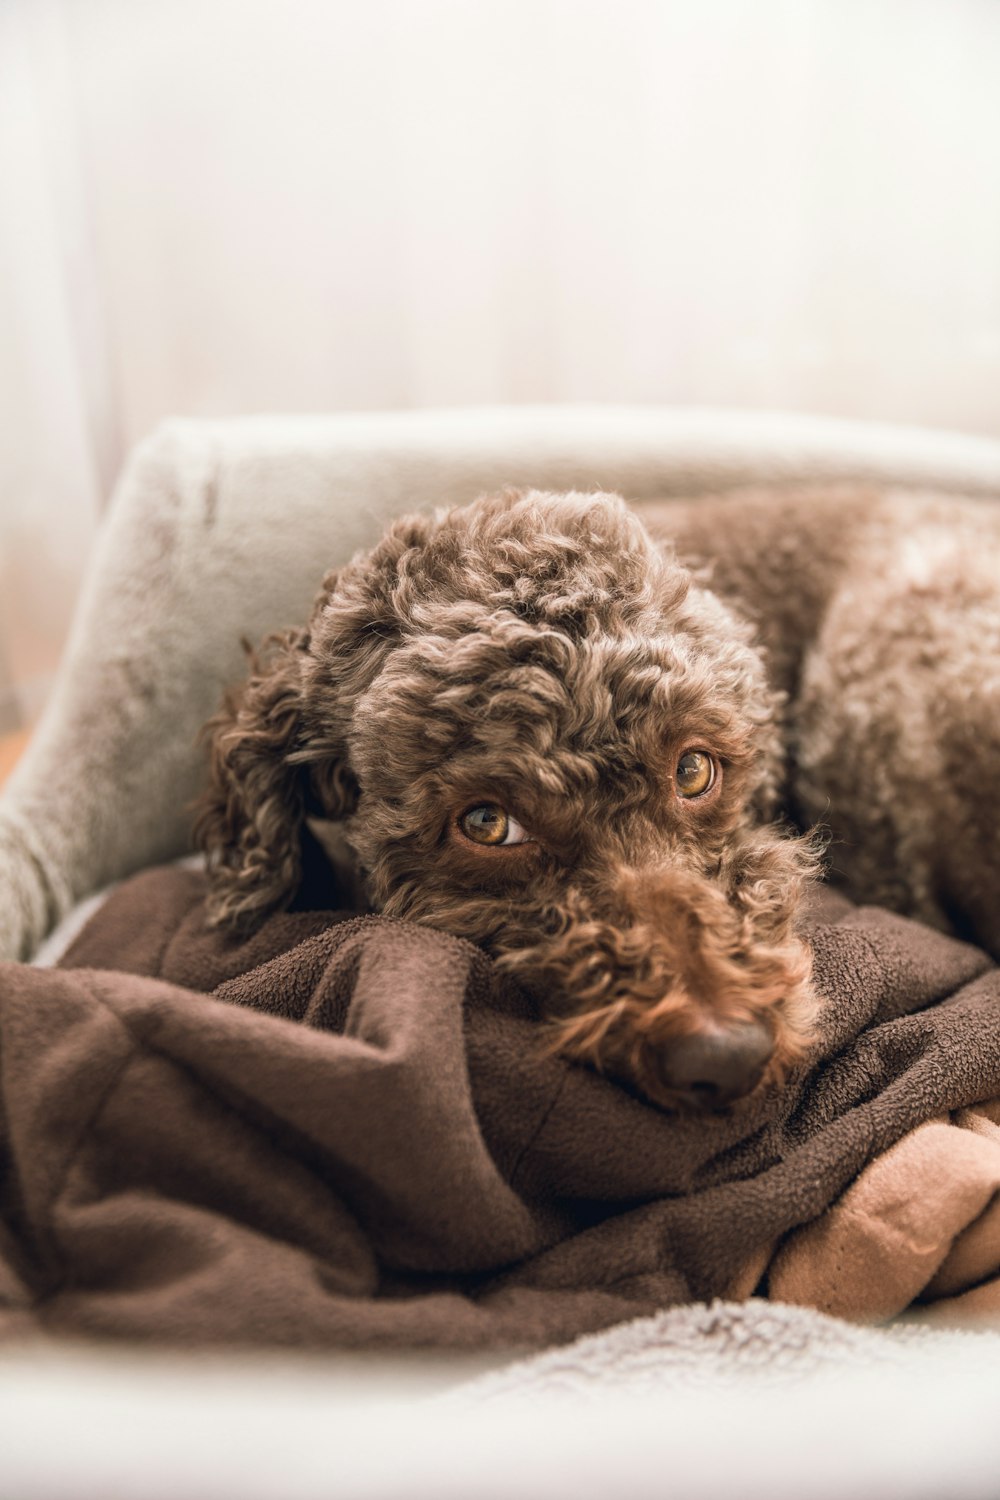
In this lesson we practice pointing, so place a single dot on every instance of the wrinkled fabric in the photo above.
(346, 1133)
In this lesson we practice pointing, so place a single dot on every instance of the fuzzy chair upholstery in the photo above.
(220, 530)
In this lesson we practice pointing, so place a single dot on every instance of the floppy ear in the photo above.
(277, 749)
(262, 785)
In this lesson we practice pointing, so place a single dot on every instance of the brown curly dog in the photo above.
(542, 731)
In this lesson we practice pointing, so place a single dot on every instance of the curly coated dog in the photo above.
(575, 734)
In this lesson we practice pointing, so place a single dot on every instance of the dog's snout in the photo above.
(712, 1068)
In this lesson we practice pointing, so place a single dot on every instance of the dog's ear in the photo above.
(263, 781)
(277, 745)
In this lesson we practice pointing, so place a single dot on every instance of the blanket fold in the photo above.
(346, 1133)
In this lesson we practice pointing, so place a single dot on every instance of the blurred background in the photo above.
(221, 206)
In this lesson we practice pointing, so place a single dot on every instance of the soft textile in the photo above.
(723, 1350)
(343, 1133)
(698, 1403)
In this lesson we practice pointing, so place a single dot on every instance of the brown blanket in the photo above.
(343, 1133)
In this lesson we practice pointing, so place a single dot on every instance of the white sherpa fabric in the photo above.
(703, 1403)
(220, 530)
(715, 1347)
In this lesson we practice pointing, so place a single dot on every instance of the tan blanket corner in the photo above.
(344, 1133)
(919, 1229)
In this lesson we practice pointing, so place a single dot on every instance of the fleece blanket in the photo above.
(343, 1133)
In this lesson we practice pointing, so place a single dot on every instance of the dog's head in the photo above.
(539, 732)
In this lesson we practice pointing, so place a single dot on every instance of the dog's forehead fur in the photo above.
(553, 559)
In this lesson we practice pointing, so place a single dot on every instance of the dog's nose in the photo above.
(712, 1068)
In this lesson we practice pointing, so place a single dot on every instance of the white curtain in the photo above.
(212, 206)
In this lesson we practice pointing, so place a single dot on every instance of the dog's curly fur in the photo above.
(544, 654)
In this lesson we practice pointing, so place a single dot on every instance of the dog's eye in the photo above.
(695, 774)
(489, 824)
